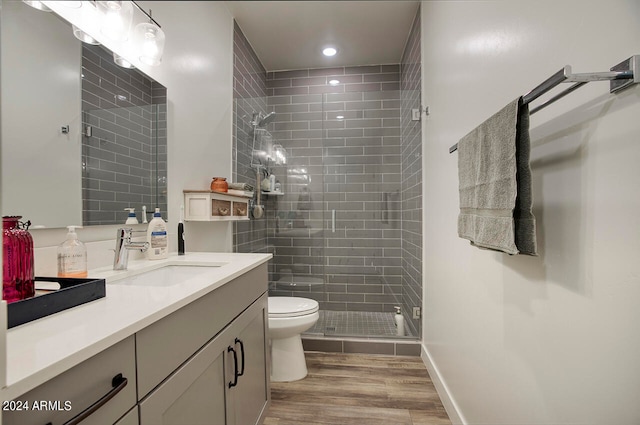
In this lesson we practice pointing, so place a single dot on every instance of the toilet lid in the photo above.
(291, 306)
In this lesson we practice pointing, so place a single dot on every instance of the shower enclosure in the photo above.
(336, 226)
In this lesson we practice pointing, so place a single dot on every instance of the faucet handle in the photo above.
(124, 232)
(127, 232)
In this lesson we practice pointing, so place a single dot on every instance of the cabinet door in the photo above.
(248, 401)
(194, 394)
(130, 418)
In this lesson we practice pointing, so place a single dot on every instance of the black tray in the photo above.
(72, 292)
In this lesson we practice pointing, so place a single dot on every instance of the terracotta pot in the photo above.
(219, 184)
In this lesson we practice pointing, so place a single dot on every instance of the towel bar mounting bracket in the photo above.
(632, 64)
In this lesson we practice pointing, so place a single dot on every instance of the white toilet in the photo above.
(288, 318)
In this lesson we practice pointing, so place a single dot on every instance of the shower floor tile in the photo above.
(354, 323)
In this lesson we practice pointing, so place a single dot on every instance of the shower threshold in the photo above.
(356, 324)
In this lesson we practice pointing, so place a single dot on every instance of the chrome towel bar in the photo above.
(620, 76)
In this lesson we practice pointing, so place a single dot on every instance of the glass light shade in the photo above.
(37, 5)
(116, 19)
(84, 37)
(149, 40)
(119, 60)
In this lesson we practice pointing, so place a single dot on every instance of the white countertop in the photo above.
(42, 349)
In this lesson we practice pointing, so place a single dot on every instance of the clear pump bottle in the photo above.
(72, 256)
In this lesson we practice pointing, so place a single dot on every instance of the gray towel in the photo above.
(241, 186)
(495, 183)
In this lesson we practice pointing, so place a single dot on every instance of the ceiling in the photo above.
(291, 34)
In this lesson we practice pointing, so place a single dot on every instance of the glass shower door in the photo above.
(362, 176)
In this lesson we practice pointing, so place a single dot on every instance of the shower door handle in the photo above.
(333, 221)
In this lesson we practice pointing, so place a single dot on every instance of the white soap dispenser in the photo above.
(399, 321)
(72, 256)
(131, 218)
(157, 237)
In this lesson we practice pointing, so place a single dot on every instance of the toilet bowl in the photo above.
(288, 318)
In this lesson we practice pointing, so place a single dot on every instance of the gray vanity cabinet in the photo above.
(205, 363)
(225, 382)
(130, 418)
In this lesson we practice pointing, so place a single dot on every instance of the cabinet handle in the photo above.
(238, 340)
(235, 367)
(118, 383)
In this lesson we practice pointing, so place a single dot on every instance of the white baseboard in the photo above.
(448, 402)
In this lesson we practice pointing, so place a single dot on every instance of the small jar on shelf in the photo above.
(219, 184)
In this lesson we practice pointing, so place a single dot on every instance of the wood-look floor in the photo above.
(358, 389)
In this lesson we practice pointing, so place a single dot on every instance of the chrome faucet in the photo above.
(124, 244)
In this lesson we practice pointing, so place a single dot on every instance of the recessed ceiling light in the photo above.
(334, 82)
(340, 117)
(329, 51)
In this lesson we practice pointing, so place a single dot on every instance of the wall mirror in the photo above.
(82, 138)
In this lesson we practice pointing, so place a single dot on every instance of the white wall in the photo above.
(197, 70)
(552, 339)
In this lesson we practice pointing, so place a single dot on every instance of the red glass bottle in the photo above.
(17, 261)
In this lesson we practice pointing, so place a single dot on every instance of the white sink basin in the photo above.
(165, 276)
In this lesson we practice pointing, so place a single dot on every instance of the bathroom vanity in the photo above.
(175, 341)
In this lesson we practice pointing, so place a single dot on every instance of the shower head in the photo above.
(267, 119)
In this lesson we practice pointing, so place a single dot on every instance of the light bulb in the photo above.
(116, 19)
(329, 51)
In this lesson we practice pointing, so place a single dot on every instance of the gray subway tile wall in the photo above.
(411, 195)
(122, 164)
(249, 97)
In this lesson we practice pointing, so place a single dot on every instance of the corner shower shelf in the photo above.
(207, 205)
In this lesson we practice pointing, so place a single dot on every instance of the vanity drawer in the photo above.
(163, 346)
(75, 390)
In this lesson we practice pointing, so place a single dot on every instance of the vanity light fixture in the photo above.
(37, 5)
(83, 36)
(120, 61)
(329, 51)
(334, 82)
(96, 21)
(72, 4)
(116, 19)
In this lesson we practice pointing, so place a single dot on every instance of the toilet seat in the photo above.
(291, 306)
